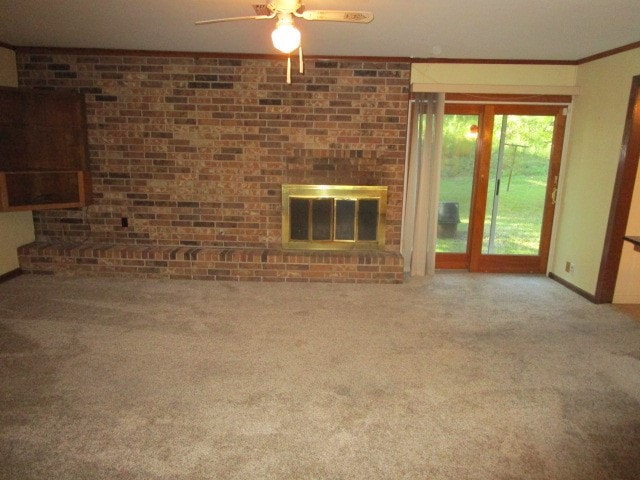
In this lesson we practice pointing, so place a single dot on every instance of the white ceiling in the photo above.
(463, 29)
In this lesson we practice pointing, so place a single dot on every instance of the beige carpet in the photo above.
(630, 309)
(458, 377)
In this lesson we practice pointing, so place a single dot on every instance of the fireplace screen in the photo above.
(333, 216)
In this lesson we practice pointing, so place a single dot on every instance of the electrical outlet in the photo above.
(569, 267)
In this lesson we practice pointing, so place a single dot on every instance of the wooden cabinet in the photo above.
(43, 150)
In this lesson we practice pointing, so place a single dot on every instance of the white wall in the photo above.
(591, 163)
(16, 228)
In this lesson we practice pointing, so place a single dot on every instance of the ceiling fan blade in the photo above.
(336, 16)
(233, 19)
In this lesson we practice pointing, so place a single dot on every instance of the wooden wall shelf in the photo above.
(43, 190)
(43, 150)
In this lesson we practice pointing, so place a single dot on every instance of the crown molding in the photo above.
(489, 61)
(608, 53)
(398, 59)
(163, 53)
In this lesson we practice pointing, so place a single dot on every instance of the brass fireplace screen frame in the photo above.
(351, 193)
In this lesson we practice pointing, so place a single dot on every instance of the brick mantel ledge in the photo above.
(211, 263)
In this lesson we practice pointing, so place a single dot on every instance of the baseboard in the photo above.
(5, 277)
(572, 287)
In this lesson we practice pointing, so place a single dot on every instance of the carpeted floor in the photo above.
(461, 376)
(630, 309)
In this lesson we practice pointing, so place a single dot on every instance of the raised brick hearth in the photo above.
(207, 263)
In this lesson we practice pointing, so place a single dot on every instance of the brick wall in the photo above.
(193, 149)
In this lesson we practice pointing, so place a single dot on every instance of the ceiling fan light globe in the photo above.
(286, 38)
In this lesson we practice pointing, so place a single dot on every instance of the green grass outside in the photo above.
(523, 184)
(519, 217)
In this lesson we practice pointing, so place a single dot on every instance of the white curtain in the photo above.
(422, 175)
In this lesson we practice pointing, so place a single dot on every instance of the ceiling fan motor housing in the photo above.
(285, 6)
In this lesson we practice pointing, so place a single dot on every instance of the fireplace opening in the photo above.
(333, 217)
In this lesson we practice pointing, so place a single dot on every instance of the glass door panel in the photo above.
(518, 173)
(497, 191)
(460, 133)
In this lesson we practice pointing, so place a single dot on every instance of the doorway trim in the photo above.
(621, 201)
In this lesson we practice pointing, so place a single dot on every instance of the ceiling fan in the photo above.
(286, 37)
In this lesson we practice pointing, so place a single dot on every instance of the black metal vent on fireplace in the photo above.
(333, 217)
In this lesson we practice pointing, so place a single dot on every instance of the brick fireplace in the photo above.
(188, 154)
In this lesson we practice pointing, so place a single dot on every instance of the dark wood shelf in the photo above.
(44, 190)
(43, 150)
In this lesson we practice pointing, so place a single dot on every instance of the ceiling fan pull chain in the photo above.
(289, 69)
(301, 59)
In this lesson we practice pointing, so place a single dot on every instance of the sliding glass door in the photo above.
(497, 186)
